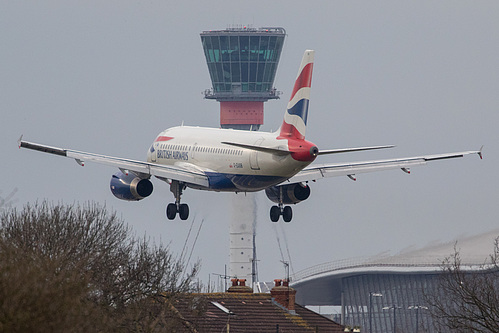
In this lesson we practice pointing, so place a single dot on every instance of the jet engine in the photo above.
(291, 194)
(129, 187)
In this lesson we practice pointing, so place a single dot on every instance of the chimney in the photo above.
(239, 286)
(284, 295)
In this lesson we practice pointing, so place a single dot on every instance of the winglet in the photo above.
(20, 141)
(480, 152)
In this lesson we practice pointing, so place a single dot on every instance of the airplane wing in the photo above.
(315, 172)
(139, 168)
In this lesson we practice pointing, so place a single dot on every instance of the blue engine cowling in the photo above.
(129, 187)
(291, 194)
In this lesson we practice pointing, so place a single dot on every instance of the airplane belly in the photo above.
(241, 175)
(226, 182)
(255, 182)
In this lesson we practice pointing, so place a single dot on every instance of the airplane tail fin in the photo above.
(294, 124)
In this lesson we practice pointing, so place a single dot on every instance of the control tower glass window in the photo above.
(242, 61)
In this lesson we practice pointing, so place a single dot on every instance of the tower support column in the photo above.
(241, 114)
(242, 228)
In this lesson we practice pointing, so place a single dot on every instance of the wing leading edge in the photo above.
(139, 168)
(194, 176)
(315, 172)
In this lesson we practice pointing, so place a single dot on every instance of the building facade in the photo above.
(386, 294)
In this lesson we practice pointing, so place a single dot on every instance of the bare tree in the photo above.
(467, 298)
(73, 268)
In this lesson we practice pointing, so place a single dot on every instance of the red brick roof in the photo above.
(249, 313)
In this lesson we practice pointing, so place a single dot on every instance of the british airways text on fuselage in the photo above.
(172, 154)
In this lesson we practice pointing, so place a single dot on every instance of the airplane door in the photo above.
(254, 156)
(153, 153)
(193, 151)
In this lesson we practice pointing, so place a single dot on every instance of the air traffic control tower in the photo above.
(242, 63)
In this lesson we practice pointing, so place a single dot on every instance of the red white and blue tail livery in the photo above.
(295, 119)
(226, 160)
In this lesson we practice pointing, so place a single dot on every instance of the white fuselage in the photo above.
(228, 167)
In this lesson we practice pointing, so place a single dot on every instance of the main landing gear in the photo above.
(285, 211)
(172, 209)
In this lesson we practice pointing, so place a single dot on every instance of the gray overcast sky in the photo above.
(108, 76)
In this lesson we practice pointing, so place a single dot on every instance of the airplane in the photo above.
(227, 160)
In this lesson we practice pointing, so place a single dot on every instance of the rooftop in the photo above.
(474, 251)
(245, 29)
(311, 283)
(248, 312)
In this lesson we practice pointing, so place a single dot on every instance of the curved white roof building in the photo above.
(364, 286)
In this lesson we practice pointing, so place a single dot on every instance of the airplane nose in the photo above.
(314, 151)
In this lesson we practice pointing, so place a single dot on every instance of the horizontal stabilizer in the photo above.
(274, 151)
(348, 150)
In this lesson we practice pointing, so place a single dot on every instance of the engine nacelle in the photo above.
(291, 194)
(129, 187)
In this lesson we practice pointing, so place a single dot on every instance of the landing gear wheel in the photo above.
(287, 214)
(183, 211)
(171, 211)
(275, 212)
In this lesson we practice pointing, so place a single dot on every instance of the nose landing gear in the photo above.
(172, 209)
